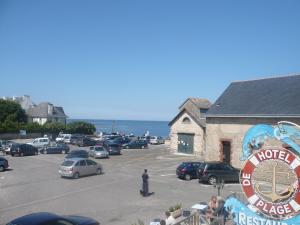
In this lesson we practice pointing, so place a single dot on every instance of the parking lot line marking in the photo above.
(169, 174)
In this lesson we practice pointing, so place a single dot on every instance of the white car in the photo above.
(156, 140)
(40, 142)
(66, 138)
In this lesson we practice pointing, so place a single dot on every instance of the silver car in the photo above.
(98, 152)
(77, 167)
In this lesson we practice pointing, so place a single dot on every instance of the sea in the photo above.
(136, 127)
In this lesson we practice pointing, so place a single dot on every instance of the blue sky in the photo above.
(141, 59)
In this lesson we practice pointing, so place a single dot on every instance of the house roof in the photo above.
(270, 97)
(192, 107)
(41, 110)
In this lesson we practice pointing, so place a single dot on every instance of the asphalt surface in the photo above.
(34, 185)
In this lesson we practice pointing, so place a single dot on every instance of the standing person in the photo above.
(145, 177)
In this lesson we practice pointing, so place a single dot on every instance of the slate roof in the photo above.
(270, 97)
(41, 111)
(192, 107)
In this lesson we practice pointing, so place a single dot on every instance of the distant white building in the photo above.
(25, 101)
(41, 113)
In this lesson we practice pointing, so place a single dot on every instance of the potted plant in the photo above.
(176, 211)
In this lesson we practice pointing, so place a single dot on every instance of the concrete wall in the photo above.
(191, 128)
(232, 129)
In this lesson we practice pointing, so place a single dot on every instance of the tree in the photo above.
(11, 111)
(81, 127)
(54, 127)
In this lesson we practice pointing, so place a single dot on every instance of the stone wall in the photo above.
(232, 129)
(191, 128)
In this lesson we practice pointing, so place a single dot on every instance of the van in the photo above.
(66, 138)
(40, 142)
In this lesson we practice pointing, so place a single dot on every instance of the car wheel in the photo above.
(12, 155)
(76, 175)
(2, 168)
(98, 172)
(187, 177)
(212, 180)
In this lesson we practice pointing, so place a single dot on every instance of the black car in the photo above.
(75, 137)
(121, 140)
(23, 149)
(212, 172)
(188, 170)
(78, 154)
(86, 141)
(136, 144)
(112, 148)
(45, 218)
(3, 164)
(57, 148)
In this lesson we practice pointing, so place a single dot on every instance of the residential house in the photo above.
(187, 129)
(46, 112)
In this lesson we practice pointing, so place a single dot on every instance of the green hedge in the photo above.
(9, 126)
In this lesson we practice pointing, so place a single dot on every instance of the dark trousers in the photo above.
(145, 188)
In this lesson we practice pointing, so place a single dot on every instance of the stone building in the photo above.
(187, 129)
(244, 104)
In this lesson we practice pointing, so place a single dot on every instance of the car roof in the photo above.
(35, 218)
(77, 150)
(76, 159)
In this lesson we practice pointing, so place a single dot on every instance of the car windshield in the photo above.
(99, 149)
(68, 163)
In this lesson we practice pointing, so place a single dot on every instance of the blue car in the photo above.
(45, 218)
(57, 148)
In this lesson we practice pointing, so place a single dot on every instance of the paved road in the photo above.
(34, 185)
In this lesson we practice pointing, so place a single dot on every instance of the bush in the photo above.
(80, 127)
(53, 127)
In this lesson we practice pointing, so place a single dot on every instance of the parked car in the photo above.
(23, 149)
(45, 218)
(77, 154)
(40, 142)
(74, 137)
(188, 170)
(6, 147)
(76, 167)
(136, 144)
(146, 138)
(112, 148)
(66, 138)
(3, 164)
(98, 152)
(211, 172)
(86, 141)
(121, 140)
(56, 148)
(156, 140)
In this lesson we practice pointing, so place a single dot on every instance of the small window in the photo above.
(90, 163)
(186, 120)
(82, 163)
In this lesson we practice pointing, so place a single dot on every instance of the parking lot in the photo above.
(34, 185)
